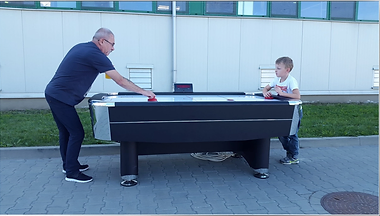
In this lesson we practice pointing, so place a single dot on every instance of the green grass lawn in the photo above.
(37, 127)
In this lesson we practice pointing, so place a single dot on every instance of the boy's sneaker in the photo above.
(287, 160)
(81, 178)
(82, 168)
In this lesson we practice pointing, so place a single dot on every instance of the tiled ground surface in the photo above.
(181, 184)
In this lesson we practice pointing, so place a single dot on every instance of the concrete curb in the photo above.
(112, 149)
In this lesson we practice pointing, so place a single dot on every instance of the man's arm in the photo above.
(127, 84)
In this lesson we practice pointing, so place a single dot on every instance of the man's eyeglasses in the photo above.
(112, 44)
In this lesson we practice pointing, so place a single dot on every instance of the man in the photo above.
(70, 85)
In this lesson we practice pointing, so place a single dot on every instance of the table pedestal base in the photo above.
(129, 183)
(255, 152)
(261, 173)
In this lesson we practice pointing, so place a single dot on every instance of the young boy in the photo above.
(287, 86)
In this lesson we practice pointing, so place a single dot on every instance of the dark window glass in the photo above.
(98, 4)
(368, 10)
(28, 4)
(59, 4)
(136, 6)
(221, 7)
(167, 6)
(284, 9)
(314, 9)
(342, 10)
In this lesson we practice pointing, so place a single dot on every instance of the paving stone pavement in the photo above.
(181, 184)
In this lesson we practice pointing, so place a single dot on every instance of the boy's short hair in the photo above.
(288, 62)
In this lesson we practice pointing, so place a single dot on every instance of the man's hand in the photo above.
(127, 84)
(148, 93)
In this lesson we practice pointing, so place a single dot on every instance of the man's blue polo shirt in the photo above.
(76, 73)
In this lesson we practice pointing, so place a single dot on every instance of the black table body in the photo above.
(188, 123)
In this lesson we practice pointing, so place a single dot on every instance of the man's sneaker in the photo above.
(287, 160)
(82, 168)
(81, 178)
(236, 155)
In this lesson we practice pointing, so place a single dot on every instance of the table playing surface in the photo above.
(186, 98)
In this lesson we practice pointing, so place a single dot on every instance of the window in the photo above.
(331, 10)
(136, 6)
(375, 77)
(98, 5)
(27, 4)
(59, 4)
(253, 8)
(267, 74)
(313, 9)
(342, 10)
(368, 10)
(284, 9)
(167, 6)
(196, 7)
(141, 75)
(221, 7)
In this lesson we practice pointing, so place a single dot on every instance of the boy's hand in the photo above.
(278, 89)
(267, 94)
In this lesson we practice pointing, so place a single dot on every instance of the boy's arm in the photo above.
(295, 93)
(266, 91)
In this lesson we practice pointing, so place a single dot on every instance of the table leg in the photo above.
(128, 163)
(256, 153)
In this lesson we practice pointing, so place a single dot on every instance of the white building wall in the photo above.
(12, 62)
(315, 61)
(343, 49)
(192, 51)
(223, 55)
(287, 41)
(43, 50)
(213, 53)
(367, 53)
(140, 39)
(255, 50)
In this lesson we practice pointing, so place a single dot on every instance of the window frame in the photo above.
(285, 16)
(342, 19)
(375, 75)
(357, 13)
(267, 74)
(170, 11)
(77, 6)
(136, 72)
(234, 13)
(314, 18)
(35, 5)
(99, 8)
(137, 11)
(199, 8)
(253, 15)
(196, 8)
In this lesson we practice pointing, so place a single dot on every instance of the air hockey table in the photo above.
(192, 122)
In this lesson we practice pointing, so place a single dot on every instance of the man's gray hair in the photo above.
(103, 33)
